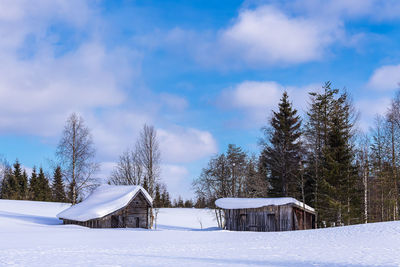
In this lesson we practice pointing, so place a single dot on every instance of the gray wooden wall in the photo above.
(267, 219)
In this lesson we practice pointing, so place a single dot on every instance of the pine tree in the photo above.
(200, 203)
(256, 183)
(167, 200)
(44, 188)
(316, 134)
(21, 181)
(34, 189)
(188, 203)
(340, 188)
(180, 203)
(164, 198)
(23, 186)
(157, 198)
(282, 150)
(9, 186)
(145, 184)
(332, 185)
(58, 191)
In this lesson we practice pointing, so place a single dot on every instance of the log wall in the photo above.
(268, 219)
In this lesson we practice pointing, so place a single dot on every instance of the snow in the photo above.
(186, 219)
(31, 235)
(102, 201)
(249, 203)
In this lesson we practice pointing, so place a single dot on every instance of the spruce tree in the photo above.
(200, 203)
(21, 181)
(44, 188)
(23, 186)
(34, 189)
(164, 198)
(281, 155)
(188, 203)
(9, 186)
(256, 183)
(340, 189)
(58, 191)
(180, 203)
(332, 185)
(167, 202)
(145, 184)
(316, 134)
(157, 198)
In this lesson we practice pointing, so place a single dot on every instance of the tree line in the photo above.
(74, 174)
(16, 184)
(322, 159)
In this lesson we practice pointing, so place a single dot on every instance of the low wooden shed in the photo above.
(266, 214)
(111, 206)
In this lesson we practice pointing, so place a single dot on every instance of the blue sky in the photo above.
(205, 73)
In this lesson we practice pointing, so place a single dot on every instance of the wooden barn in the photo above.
(266, 214)
(111, 206)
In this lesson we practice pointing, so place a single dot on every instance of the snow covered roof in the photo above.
(102, 201)
(252, 203)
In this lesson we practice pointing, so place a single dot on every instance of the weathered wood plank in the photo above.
(266, 219)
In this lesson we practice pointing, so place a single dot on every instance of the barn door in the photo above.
(114, 221)
(117, 221)
(271, 223)
(137, 222)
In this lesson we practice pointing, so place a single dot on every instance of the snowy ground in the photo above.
(31, 235)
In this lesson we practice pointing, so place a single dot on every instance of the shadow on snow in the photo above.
(31, 218)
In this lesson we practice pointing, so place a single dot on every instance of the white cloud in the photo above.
(279, 33)
(116, 130)
(40, 85)
(254, 95)
(185, 144)
(105, 170)
(385, 78)
(354, 9)
(258, 37)
(257, 98)
(177, 179)
(174, 102)
(36, 95)
(369, 108)
(266, 35)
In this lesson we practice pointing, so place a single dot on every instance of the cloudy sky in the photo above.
(204, 73)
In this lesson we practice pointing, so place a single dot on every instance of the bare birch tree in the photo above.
(363, 158)
(129, 170)
(76, 154)
(149, 157)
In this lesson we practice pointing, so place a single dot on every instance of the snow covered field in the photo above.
(31, 235)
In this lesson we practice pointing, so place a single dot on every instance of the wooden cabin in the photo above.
(111, 207)
(266, 214)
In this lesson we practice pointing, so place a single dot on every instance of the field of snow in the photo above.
(31, 235)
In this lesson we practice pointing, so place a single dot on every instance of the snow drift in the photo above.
(31, 235)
